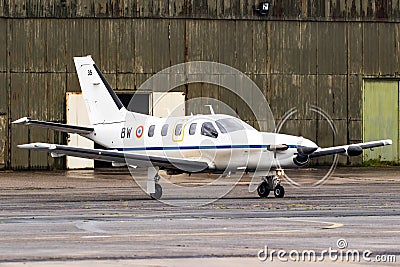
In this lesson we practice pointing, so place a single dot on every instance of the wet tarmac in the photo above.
(86, 217)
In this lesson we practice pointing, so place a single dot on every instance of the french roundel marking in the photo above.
(139, 131)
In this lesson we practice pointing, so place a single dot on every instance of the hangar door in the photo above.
(381, 118)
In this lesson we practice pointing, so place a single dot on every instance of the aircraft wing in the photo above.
(132, 159)
(349, 150)
(55, 126)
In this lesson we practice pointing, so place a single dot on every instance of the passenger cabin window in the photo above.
(208, 129)
(192, 128)
(178, 129)
(151, 130)
(164, 130)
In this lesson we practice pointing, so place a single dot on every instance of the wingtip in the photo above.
(21, 120)
(34, 146)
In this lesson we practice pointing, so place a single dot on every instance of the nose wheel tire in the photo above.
(158, 193)
(263, 189)
(279, 191)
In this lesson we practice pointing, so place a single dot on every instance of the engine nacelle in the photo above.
(300, 160)
(354, 151)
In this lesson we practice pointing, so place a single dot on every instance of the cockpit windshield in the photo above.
(230, 125)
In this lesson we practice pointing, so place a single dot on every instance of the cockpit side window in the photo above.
(208, 129)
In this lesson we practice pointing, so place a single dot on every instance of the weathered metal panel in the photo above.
(387, 46)
(72, 84)
(17, 8)
(381, 109)
(245, 47)
(37, 45)
(126, 47)
(3, 42)
(143, 32)
(3, 120)
(19, 45)
(141, 78)
(56, 89)
(332, 95)
(355, 48)
(283, 42)
(85, 8)
(91, 38)
(19, 134)
(332, 48)
(261, 80)
(210, 92)
(306, 128)
(227, 96)
(227, 43)
(216, 9)
(291, 48)
(176, 42)
(285, 91)
(307, 97)
(111, 79)
(37, 109)
(371, 48)
(339, 52)
(195, 104)
(160, 44)
(74, 32)
(354, 99)
(355, 131)
(109, 30)
(260, 47)
(125, 81)
(55, 45)
(396, 56)
(308, 47)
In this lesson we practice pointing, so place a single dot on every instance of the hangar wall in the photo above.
(302, 53)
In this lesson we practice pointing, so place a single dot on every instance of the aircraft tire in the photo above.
(263, 190)
(279, 191)
(158, 193)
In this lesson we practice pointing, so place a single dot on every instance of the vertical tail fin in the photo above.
(102, 103)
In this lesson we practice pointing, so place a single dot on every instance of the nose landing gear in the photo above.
(272, 183)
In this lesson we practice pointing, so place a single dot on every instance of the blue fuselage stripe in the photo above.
(158, 148)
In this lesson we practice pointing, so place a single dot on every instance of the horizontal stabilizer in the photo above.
(55, 126)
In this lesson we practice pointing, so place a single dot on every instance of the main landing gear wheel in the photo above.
(279, 191)
(263, 189)
(158, 193)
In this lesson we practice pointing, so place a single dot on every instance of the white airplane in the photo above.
(212, 143)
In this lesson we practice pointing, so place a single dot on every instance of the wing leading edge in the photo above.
(349, 150)
(131, 159)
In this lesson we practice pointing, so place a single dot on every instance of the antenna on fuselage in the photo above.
(211, 109)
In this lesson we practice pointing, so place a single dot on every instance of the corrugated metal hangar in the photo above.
(339, 55)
